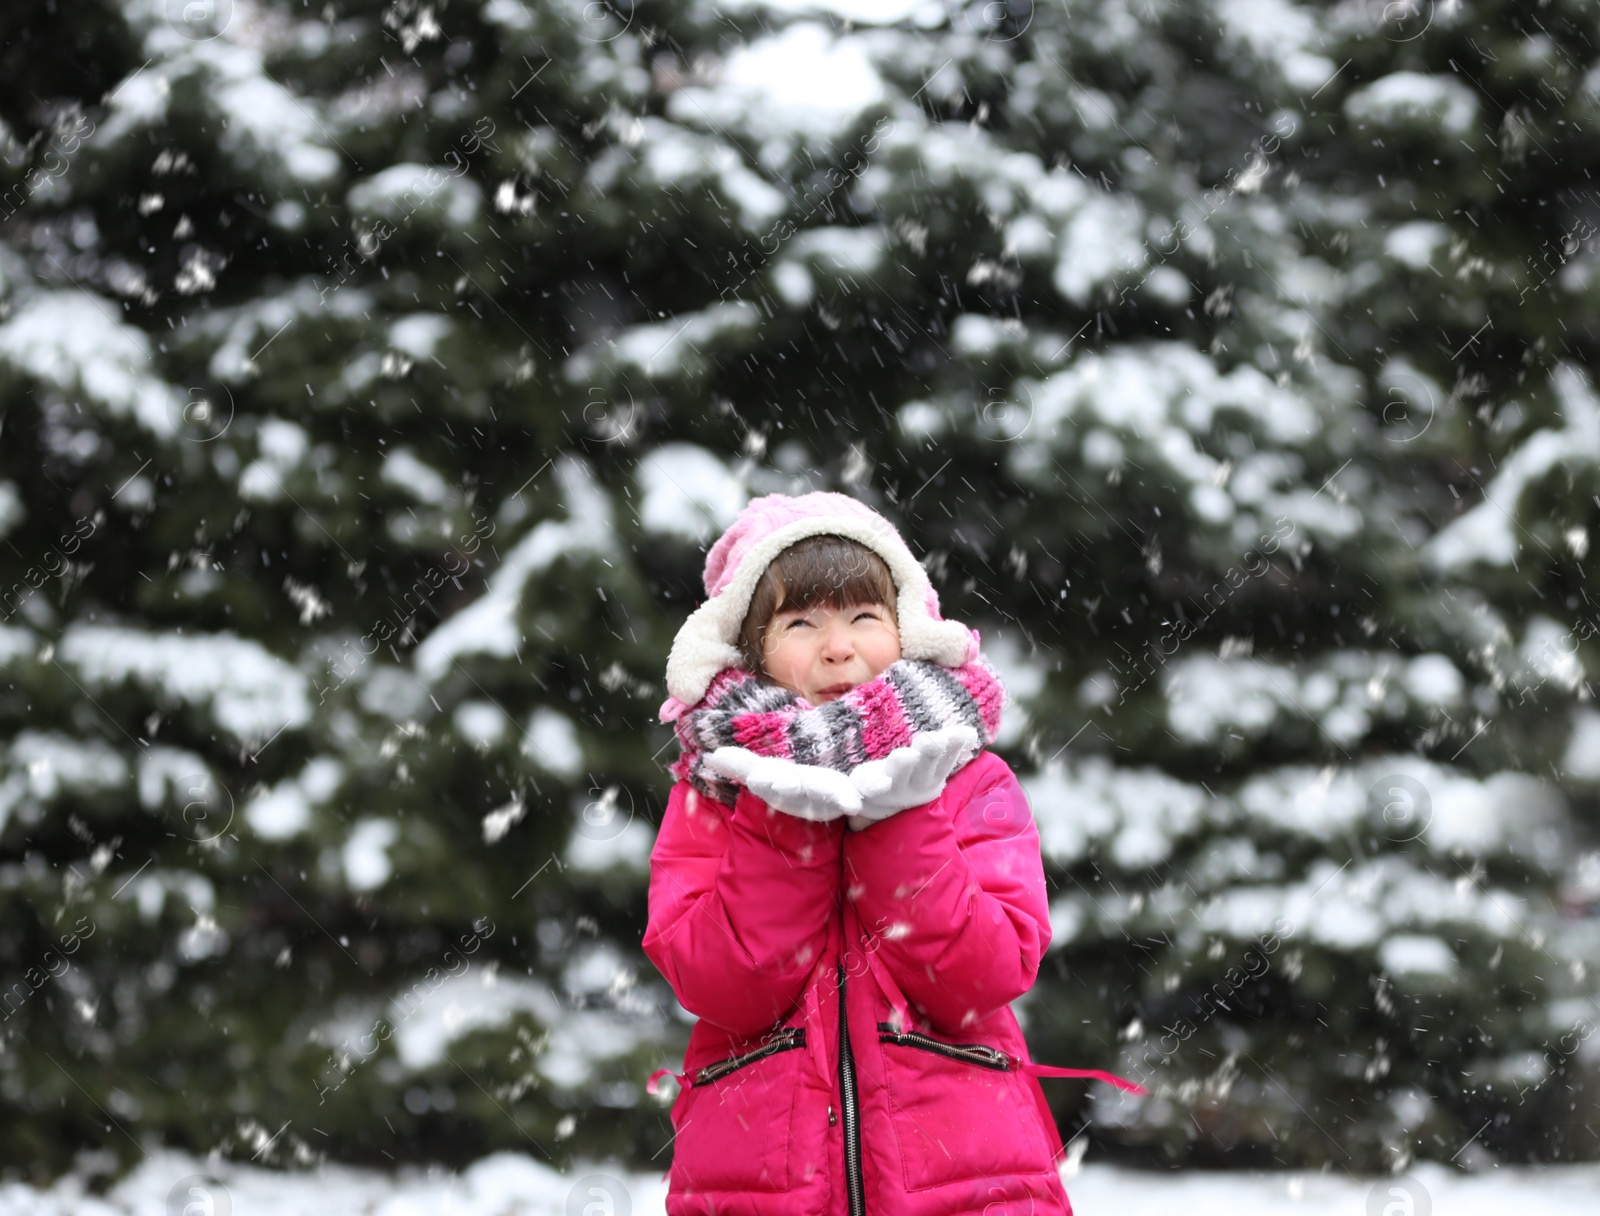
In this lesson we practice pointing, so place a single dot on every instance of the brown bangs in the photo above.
(820, 570)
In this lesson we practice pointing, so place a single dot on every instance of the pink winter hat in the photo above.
(707, 643)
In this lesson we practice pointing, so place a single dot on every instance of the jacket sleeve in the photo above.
(740, 906)
(953, 899)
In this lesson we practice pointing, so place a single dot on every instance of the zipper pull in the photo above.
(832, 1118)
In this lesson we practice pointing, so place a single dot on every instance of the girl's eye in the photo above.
(870, 616)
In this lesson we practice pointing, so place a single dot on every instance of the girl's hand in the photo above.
(912, 775)
(806, 791)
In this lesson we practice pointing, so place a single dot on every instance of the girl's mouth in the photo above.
(834, 690)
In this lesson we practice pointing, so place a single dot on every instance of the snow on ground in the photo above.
(512, 1184)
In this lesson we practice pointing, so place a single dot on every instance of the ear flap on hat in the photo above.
(699, 653)
(923, 635)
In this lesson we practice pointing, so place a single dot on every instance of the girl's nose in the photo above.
(836, 643)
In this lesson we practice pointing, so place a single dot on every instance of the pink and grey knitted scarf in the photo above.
(909, 697)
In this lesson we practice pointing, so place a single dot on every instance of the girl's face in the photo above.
(822, 653)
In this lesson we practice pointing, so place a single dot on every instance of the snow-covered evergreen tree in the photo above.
(373, 376)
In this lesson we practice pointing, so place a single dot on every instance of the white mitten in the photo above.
(806, 791)
(911, 775)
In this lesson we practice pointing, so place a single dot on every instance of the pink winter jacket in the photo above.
(917, 1101)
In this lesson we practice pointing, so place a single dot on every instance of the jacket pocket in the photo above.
(733, 1123)
(959, 1110)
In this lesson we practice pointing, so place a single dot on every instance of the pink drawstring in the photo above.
(1111, 1078)
(891, 990)
(1037, 1070)
(816, 1042)
(682, 1078)
(650, 1087)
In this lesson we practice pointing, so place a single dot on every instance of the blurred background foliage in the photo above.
(374, 375)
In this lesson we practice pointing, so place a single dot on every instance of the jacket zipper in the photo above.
(980, 1054)
(848, 1099)
(787, 1039)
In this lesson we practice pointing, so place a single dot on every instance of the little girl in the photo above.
(846, 890)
